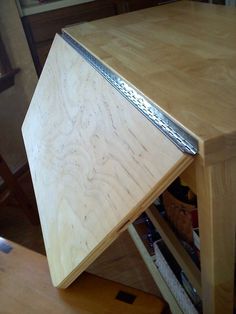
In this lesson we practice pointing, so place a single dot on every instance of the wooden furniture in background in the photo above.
(7, 74)
(12, 186)
(124, 6)
(41, 28)
(26, 287)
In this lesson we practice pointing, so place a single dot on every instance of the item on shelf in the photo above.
(191, 292)
(169, 275)
(181, 210)
(186, 242)
(151, 234)
(196, 238)
(193, 252)
(182, 192)
(159, 205)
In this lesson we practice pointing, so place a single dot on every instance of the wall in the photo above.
(15, 100)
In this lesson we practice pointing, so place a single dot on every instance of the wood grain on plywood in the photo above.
(96, 162)
(183, 57)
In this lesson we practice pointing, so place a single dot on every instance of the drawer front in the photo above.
(45, 25)
(96, 162)
(43, 50)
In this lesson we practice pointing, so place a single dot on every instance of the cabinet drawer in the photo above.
(132, 5)
(45, 25)
(42, 50)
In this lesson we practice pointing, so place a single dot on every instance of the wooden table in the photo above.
(181, 57)
(26, 288)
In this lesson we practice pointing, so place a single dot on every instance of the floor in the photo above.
(121, 262)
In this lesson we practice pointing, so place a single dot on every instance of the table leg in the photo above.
(11, 182)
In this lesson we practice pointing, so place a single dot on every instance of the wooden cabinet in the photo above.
(132, 5)
(41, 28)
(97, 162)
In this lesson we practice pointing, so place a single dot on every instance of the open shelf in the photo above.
(170, 287)
(176, 248)
(157, 277)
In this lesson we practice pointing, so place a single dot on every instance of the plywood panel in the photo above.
(96, 162)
